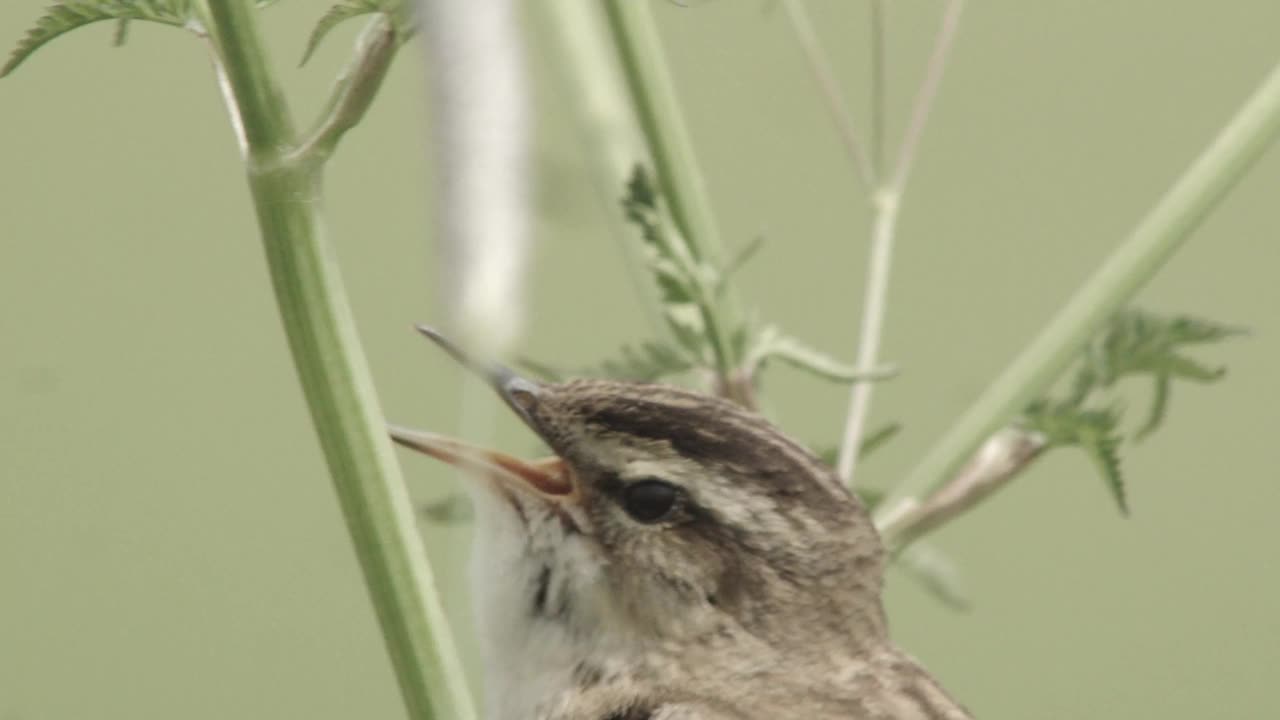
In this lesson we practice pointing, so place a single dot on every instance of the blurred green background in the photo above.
(170, 545)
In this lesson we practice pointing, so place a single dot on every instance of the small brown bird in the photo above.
(678, 558)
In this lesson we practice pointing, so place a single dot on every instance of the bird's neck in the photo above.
(538, 630)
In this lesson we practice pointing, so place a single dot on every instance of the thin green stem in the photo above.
(335, 376)
(653, 94)
(1156, 238)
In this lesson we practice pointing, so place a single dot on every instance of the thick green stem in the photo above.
(335, 377)
(1144, 252)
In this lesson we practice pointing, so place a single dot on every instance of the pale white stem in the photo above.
(884, 224)
(228, 98)
(875, 299)
(878, 109)
(1001, 458)
(830, 89)
(928, 92)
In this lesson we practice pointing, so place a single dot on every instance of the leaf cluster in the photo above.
(1136, 343)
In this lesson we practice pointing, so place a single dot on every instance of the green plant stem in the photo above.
(605, 118)
(1156, 238)
(653, 94)
(335, 377)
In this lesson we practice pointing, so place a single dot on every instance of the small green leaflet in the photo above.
(1138, 343)
(771, 343)
(686, 286)
(398, 11)
(1065, 424)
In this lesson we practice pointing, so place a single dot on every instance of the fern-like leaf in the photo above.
(1141, 343)
(1104, 449)
(397, 10)
(1065, 424)
(63, 17)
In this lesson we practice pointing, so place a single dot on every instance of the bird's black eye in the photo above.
(649, 501)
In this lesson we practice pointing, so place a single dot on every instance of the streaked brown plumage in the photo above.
(679, 559)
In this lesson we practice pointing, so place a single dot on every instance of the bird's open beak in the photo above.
(548, 477)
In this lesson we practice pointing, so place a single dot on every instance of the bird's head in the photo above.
(666, 514)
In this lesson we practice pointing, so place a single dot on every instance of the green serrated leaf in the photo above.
(1092, 430)
(63, 17)
(1143, 343)
(1103, 448)
(1185, 330)
(935, 572)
